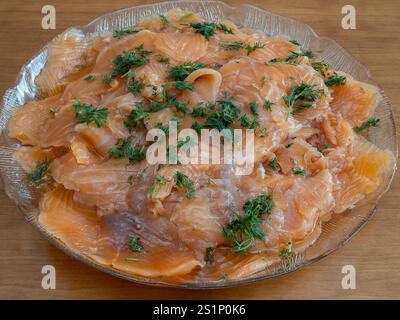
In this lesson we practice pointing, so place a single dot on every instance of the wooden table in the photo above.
(374, 251)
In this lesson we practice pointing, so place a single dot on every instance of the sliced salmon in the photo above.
(355, 100)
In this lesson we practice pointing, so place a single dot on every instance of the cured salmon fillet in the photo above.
(110, 103)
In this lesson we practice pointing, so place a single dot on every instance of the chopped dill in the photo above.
(179, 73)
(123, 32)
(124, 148)
(90, 77)
(136, 116)
(87, 113)
(372, 122)
(287, 250)
(135, 86)
(245, 228)
(299, 171)
(254, 109)
(135, 244)
(183, 85)
(253, 47)
(37, 176)
(183, 181)
(235, 45)
(208, 258)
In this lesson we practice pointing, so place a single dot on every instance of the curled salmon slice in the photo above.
(355, 100)
(69, 57)
(182, 47)
(27, 123)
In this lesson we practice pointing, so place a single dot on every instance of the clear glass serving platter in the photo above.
(335, 233)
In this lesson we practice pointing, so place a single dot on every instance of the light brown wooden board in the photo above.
(374, 251)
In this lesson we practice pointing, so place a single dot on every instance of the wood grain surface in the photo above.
(374, 251)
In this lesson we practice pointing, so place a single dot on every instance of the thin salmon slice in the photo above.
(355, 100)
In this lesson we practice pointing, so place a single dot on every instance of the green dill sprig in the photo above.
(254, 109)
(129, 59)
(234, 46)
(87, 113)
(183, 181)
(330, 80)
(208, 257)
(303, 92)
(286, 251)
(335, 80)
(224, 116)
(125, 149)
(253, 47)
(372, 122)
(136, 116)
(245, 228)
(135, 244)
(223, 27)
(164, 20)
(197, 127)
(37, 176)
(299, 171)
(295, 42)
(268, 104)
(123, 32)
(186, 15)
(309, 54)
(179, 73)
(135, 86)
(90, 77)
(183, 85)
(246, 122)
(208, 29)
(274, 164)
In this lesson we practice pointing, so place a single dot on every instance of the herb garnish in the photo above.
(208, 29)
(123, 32)
(253, 47)
(296, 170)
(179, 73)
(124, 148)
(303, 92)
(295, 55)
(224, 117)
(129, 59)
(135, 86)
(136, 116)
(186, 15)
(37, 176)
(183, 85)
(183, 181)
(135, 245)
(246, 122)
(90, 77)
(253, 108)
(164, 20)
(87, 113)
(268, 104)
(335, 80)
(208, 258)
(159, 181)
(372, 122)
(243, 230)
(295, 42)
(224, 276)
(235, 45)
(324, 69)
(274, 164)
(286, 251)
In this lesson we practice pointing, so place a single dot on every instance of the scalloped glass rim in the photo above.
(334, 234)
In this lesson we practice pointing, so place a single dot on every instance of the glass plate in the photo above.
(335, 233)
